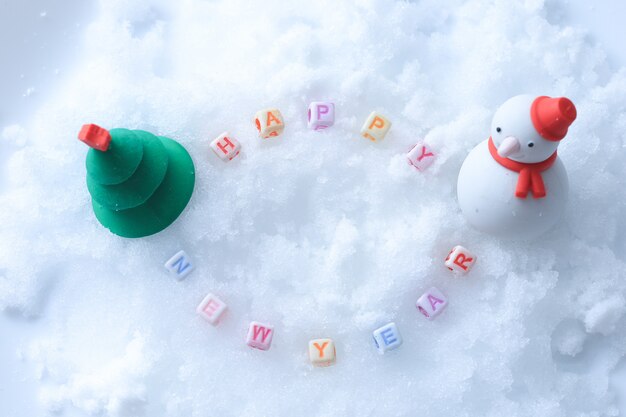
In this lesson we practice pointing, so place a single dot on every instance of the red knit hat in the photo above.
(552, 116)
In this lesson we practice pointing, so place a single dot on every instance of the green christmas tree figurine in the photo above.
(139, 183)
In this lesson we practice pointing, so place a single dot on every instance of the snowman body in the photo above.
(486, 188)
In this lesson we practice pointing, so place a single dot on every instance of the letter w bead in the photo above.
(260, 336)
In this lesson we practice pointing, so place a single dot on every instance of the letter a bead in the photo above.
(260, 335)
(420, 156)
(226, 147)
(211, 309)
(376, 127)
(321, 115)
(432, 303)
(460, 260)
(322, 352)
(387, 338)
(269, 122)
(179, 265)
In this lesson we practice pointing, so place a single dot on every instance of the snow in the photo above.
(320, 234)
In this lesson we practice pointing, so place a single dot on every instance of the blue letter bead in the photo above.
(387, 337)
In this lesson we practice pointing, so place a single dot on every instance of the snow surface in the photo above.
(322, 234)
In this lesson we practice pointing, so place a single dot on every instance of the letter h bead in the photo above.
(225, 146)
(387, 338)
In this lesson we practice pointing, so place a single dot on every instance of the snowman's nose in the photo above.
(509, 146)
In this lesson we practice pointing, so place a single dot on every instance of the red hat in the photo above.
(552, 116)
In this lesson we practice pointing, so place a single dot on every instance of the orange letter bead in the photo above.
(375, 127)
(322, 352)
(269, 122)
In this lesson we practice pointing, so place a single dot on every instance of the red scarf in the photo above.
(529, 174)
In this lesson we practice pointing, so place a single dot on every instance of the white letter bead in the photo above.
(376, 127)
(260, 335)
(322, 352)
(211, 309)
(321, 115)
(460, 260)
(269, 122)
(432, 303)
(225, 146)
(421, 156)
(387, 338)
(180, 265)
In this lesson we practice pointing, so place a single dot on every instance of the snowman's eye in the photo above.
(530, 144)
(498, 130)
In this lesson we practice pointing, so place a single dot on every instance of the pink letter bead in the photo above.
(460, 260)
(269, 122)
(321, 115)
(322, 352)
(211, 309)
(421, 156)
(260, 335)
(376, 127)
(226, 147)
(431, 303)
(179, 265)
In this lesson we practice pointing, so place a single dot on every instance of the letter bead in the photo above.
(211, 309)
(226, 147)
(376, 127)
(260, 335)
(269, 122)
(460, 260)
(421, 156)
(387, 338)
(432, 303)
(322, 352)
(321, 115)
(179, 265)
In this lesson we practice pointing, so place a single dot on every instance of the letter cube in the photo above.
(269, 122)
(260, 335)
(460, 260)
(211, 309)
(225, 146)
(321, 115)
(95, 136)
(387, 338)
(432, 303)
(421, 156)
(376, 127)
(322, 352)
(179, 265)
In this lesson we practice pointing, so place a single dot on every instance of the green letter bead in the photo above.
(119, 162)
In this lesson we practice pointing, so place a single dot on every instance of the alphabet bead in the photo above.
(432, 303)
(260, 335)
(180, 265)
(269, 122)
(225, 146)
(321, 115)
(421, 156)
(376, 127)
(322, 352)
(211, 309)
(387, 338)
(460, 260)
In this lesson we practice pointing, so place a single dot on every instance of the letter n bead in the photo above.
(387, 338)
(269, 122)
(226, 147)
(322, 352)
(432, 303)
(421, 156)
(260, 335)
(321, 115)
(211, 309)
(179, 265)
(460, 260)
(376, 127)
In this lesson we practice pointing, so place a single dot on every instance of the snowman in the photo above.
(513, 185)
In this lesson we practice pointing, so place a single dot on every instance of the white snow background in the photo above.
(322, 234)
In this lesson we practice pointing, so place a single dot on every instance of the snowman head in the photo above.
(528, 129)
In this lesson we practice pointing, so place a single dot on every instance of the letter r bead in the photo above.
(460, 260)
